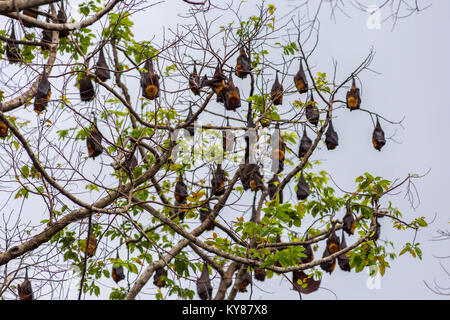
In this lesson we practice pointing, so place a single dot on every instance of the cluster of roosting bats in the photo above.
(250, 176)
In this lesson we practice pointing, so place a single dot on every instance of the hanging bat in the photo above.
(62, 18)
(117, 271)
(130, 163)
(87, 92)
(46, 39)
(260, 274)
(256, 180)
(333, 242)
(376, 234)
(91, 246)
(331, 137)
(302, 188)
(349, 223)
(312, 112)
(3, 130)
(246, 280)
(180, 191)
(218, 181)
(343, 260)
(353, 98)
(243, 64)
(311, 284)
(25, 290)
(102, 70)
(308, 252)
(150, 81)
(378, 139)
(305, 144)
(217, 83)
(179, 211)
(159, 279)
(194, 81)
(330, 265)
(94, 142)
(43, 94)
(300, 81)
(190, 129)
(204, 287)
(205, 211)
(232, 96)
(276, 94)
(272, 186)
(12, 48)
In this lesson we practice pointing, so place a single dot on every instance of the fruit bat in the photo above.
(190, 129)
(300, 81)
(204, 287)
(130, 163)
(150, 81)
(62, 18)
(180, 191)
(217, 83)
(12, 48)
(251, 177)
(376, 233)
(312, 112)
(309, 254)
(46, 39)
(353, 98)
(330, 265)
(343, 260)
(32, 13)
(159, 279)
(87, 92)
(43, 94)
(3, 129)
(246, 280)
(260, 274)
(276, 93)
(378, 139)
(333, 242)
(311, 284)
(272, 186)
(94, 142)
(349, 222)
(232, 96)
(278, 152)
(331, 137)
(194, 81)
(302, 188)
(205, 210)
(178, 210)
(91, 247)
(305, 144)
(117, 271)
(243, 64)
(25, 290)
(101, 70)
(218, 181)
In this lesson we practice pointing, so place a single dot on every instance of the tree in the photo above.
(129, 185)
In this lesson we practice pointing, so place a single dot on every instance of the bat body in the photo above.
(343, 260)
(117, 271)
(353, 98)
(94, 143)
(349, 223)
(243, 64)
(309, 254)
(150, 82)
(278, 152)
(180, 192)
(91, 246)
(101, 70)
(305, 144)
(194, 82)
(204, 287)
(333, 242)
(217, 83)
(62, 18)
(159, 279)
(300, 81)
(24, 289)
(205, 211)
(46, 39)
(302, 188)
(251, 177)
(260, 274)
(378, 139)
(12, 49)
(3, 130)
(312, 112)
(331, 137)
(276, 94)
(272, 188)
(190, 129)
(87, 92)
(330, 265)
(218, 181)
(311, 284)
(43, 94)
(232, 99)
(247, 279)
